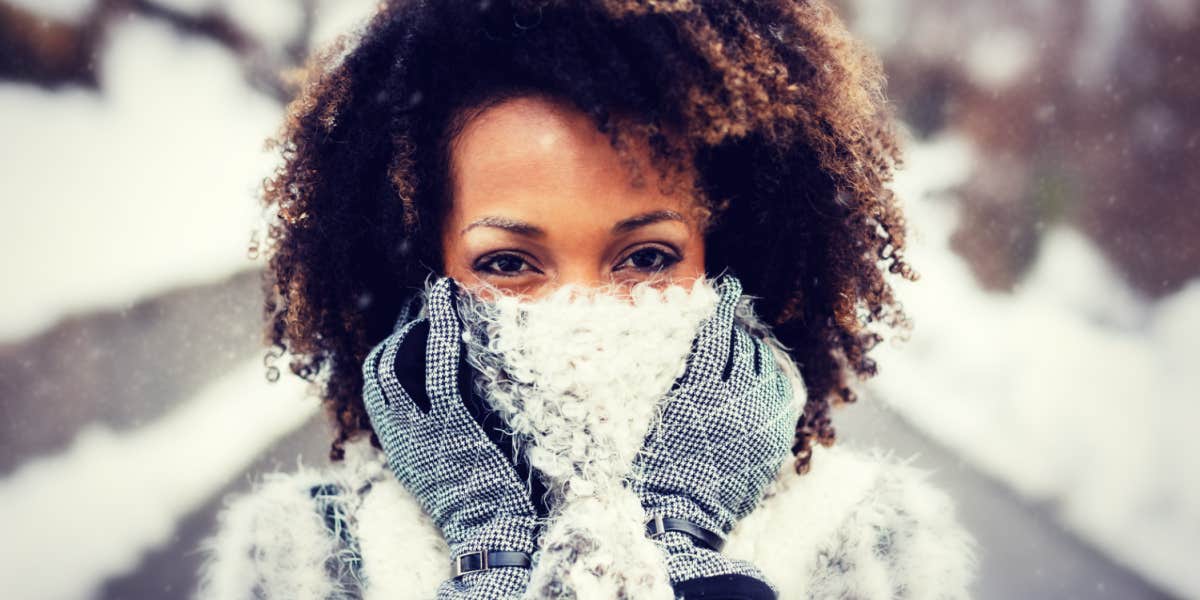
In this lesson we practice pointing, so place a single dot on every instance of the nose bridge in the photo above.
(581, 273)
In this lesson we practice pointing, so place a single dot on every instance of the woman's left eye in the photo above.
(649, 259)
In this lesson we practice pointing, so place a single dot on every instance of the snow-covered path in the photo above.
(1073, 391)
(1024, 552)
(108, 499)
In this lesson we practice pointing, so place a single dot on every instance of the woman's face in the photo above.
(541, 199)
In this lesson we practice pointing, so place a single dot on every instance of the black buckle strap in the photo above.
(489, 559)
(658, 525)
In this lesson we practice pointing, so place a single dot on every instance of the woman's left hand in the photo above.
(726, 429)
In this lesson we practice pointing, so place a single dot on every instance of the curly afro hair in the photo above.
(774, 105)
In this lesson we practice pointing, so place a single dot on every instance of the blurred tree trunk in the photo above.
(50, 54)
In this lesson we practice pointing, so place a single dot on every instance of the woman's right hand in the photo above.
(413, 391)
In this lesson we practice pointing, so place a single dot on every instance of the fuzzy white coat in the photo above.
(860, 525)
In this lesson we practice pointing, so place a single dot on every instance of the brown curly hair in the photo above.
(778, 109)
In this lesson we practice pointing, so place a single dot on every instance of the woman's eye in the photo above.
(649, 259)
(504, 264)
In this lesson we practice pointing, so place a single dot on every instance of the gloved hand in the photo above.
(725, 431)
(414, 385)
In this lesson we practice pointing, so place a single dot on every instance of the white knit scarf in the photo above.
(580, 376)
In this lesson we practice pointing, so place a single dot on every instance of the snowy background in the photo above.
(1052, 185)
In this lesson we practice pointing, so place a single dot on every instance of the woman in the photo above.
(520, 147)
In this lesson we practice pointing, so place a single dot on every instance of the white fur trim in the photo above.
(403, 554)
(860, 524)
(271, 543)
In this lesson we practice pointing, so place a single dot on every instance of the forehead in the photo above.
(533, 154)
(523, 128)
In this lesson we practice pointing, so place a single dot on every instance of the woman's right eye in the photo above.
(504, 264)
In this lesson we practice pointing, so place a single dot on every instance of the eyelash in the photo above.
(486, 262)
(481, 265)
(670, 258)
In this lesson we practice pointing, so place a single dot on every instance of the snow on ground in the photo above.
(98, 507)
(1072, 390)
(150, 183)
(119, 195)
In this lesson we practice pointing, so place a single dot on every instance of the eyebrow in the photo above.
(627, 225)
(531, 230)
(513, 225)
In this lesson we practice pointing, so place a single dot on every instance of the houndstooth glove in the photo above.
(724, 433)
(442, 455)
